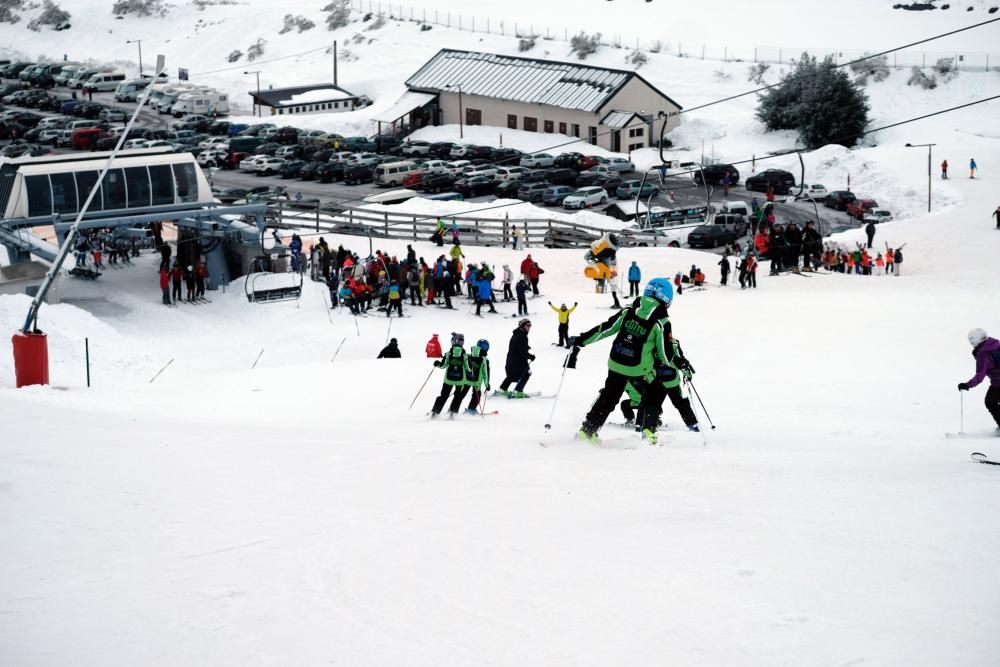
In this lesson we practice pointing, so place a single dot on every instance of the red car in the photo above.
(860, 207)
(413, 180)
(586, 162)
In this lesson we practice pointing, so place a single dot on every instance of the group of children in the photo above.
(195, 277)
(861, 262)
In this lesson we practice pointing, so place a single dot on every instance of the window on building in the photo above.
(473, 116)
(281, 112)
(635, 147)
(512, 121)
(85, 181)
(592, 135)
(39, 196)
(162, 180)
(187, 182)
(63, 193)
(114, 189)
(635, 132)
(549, 126)
(562, 128)
(137, 184)
(530, 124)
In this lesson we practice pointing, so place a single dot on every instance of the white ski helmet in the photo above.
(976, 336)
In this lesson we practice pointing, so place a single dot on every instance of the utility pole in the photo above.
(930, 149)
(139, 42)
(461, 113)
(335, 62)
(256, 105)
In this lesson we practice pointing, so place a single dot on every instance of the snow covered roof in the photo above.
(320, 92)
(618, 119)
(404, 105)
(527, 80)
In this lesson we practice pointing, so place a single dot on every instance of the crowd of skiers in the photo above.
(92, 248)
(194, 277)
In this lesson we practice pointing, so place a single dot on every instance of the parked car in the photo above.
(358, 144)
(714, 173)
(711, 236)
(414, 148)
(568, 160)
(859, 208)
(291, 169)
(355, 173)
(459, 150)
(290, 152)
(734, 222)
(839, 199)
(568, 237)
(779, 180)
(510, 173)
(457, 166)
(367, 159)
(211, 157)
(112, 115)
(877, 215)
(635, 188)
(441, 149)
(480, 170)
(816, 192)
(475, 186)
(480, 153)
(554, 195)
(533, 191)
(586, 197)
(268, 165)
(435, 167)
(618, 164)
(507, 189)
(437, 182)
(536, 160)
(270, 148)
(561, 176)
(507, 156)
(250, 163)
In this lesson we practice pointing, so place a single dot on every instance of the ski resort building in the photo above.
(318, 98)
(612, 108)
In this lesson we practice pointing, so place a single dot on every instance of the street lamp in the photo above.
(461, 115)
(139, 42)
(930, 148)
(256, 99)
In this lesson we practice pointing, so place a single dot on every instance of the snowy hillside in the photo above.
(270, 499)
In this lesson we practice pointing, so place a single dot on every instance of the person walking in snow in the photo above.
(751, 269)
(165, 285)
(485, 291)
(897, 259)
(563, 314)
(641, 331)
(996, 214)
(986, 352)
(519, 357)
(479, 374)
(972, 168)
(870, 232)
(724, 268)
(634, 278)
(176, 276)
(613, 283)
(395, 300)
(455, 231)
(944, 170)
(456, 367)
(189, 280)
(666, 383)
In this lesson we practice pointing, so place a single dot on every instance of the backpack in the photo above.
(899, 257)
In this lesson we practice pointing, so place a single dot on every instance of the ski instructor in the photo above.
(986, 351)
(642, 335)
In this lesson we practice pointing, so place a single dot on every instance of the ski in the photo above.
(981, 458)
(963, 434)
(606, 443)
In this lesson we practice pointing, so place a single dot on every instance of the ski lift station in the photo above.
(142, 187)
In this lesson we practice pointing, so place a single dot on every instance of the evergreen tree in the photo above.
(819, 101)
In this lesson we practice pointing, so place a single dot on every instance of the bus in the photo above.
(39, 187)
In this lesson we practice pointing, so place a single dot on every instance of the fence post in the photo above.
(317, 216)
(755, 54)
(387, 224)
(779, 57)
(476, 232)
(473, 24)
(414, 228)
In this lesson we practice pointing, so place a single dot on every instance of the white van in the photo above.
(129, 91)
(170, 94)
(206, 103)
(736, 207)
(105, 82)
(393, 173)
(66, 73)
(81, 76)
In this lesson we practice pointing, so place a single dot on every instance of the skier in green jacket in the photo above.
(667, 383)
(479, 373)
(641, 333)
(456, 371)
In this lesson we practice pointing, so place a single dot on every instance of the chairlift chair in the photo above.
(261, 267)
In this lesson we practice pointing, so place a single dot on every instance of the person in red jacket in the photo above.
(176, 275)
(165, 286)
(200, 277)
(433, 348)
(761, 242)
(534, 273)
(526, 267)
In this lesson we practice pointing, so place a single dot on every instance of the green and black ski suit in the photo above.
(479, 375)
(667, 383)
(641, 331)
(455, 363)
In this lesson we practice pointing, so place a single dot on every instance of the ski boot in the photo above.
(649, 435)
(516, 394)
(451, 415)
(588, 433)
(501, 392)
(694, 428)
(472, 411)
(434, 415)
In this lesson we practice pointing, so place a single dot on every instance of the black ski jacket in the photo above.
(518, 353)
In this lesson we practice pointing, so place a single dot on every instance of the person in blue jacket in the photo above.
(296, 247)
(485, 291)
(634, 278)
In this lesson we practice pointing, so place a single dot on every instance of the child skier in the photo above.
(522, 296)
(456, 369)
(667, 383)
(563, 314)
(479, 373)
(986, 352)
(640, 331)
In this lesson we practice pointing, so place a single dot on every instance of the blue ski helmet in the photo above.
(661, 290)
(483, 345)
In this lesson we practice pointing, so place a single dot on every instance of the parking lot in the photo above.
(671, 192)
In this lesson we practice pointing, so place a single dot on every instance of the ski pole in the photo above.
(420, 390)
(388, 329)
(342, 341)
(694, 390)
(961, 412)
(704, 438)
(555, 402)
(482, 407)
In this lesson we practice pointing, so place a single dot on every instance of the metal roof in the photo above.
(276, 97)
(527, 80)
(404, 105)
(618, 119)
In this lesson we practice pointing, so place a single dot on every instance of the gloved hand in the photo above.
(687, 373)
(962, 386)
(683, 364)
(531, 357)
(438, 364)
(571, 341)
(487, 386)
(571, 361)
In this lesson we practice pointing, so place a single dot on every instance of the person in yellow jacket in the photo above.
(563, 313)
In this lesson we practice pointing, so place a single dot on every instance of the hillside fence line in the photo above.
(777, 55)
